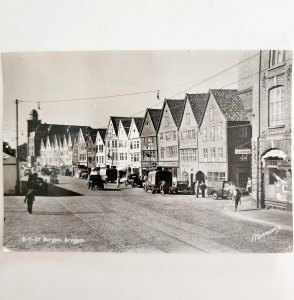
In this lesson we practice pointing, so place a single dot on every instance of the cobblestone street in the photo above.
(130, 220)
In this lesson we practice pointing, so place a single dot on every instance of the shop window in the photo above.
(277, 57)
(276, 106)
(276, 175)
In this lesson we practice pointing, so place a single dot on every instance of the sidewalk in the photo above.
(272, 217)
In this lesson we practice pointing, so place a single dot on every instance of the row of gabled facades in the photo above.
(224, 134)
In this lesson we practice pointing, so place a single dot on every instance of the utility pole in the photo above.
(17, 187)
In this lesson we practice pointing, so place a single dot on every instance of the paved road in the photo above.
(130, 220)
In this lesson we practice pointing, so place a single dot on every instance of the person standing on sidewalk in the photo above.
(249, 185)
(196, 187)
(236, 197)
(162, 187)
(29, 199)
(117, 181)
(203, 188)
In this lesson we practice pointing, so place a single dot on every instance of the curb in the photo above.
(238, 216)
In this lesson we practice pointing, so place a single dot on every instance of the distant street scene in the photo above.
(148, 151)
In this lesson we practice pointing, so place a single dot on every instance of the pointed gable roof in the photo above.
(198, 104)
(102, 132)
(176, 108)
(139, 123)
(230, 104)
(86, 131)
(126, 123)
(155, 116)
(115, 122)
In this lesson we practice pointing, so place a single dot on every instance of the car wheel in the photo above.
(214, 196)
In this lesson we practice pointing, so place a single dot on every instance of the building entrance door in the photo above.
(200, 176)
(242, 179)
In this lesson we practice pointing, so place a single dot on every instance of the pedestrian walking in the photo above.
(117, 182)
(46, 187)
(203, 188)
(162, 187)
(236, 197)
(231, 190)
(249, 185)
(29, 199)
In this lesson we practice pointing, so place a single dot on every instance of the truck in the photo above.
(108, 174)
(155, 179)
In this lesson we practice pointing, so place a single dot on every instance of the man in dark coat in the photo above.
(202, 188)
(29, 199)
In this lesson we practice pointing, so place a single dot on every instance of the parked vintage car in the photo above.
(46, 171)
(155, 179)
(134, 180)
(182, 187)
(218, 189)
(95, 182)
(83, 174)
(221, 189)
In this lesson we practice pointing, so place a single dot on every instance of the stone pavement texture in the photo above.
(130, 220)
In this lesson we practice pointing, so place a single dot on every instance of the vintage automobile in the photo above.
(218, 189)
(155, 179)
(134, 180)
(46, 171)
(83, 174)
(95, 182)
(182, 187)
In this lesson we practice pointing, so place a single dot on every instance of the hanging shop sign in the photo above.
(243, 151)
(273, 132)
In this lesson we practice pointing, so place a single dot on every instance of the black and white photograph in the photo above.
(147, 151)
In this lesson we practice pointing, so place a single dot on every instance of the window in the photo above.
(204, 134)
(112, 143)
(205, 154)
(276, 106)
(162, 152)
(220, 154)
(174, 135)
(211, 117)
(244, 132)
(115, 143)
(219, 132)
(212, 152)
(126, 156)
(147, 125)
(131, 145)
(166, 121)
(138, 145)
(277, 57)
(193, 134)
(187, 118)
(194, 154)
(212, 133)
(161, 136)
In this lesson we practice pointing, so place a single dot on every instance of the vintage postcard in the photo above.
(148, 151)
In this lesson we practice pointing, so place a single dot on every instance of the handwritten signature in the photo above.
(259, 236)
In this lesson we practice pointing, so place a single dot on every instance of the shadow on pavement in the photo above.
(53, 191)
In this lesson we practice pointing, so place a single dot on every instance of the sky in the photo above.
(51, 76)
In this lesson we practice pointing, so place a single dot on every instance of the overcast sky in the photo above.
(48, 76)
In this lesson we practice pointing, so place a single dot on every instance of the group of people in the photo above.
(200, 187)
